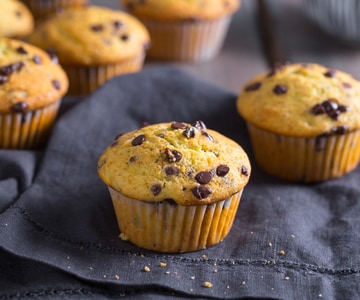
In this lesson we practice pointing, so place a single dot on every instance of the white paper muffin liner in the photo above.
(305, 159)
(194, 41)
(166, 227)
(338, 18)
(86, 79)
(28, 130)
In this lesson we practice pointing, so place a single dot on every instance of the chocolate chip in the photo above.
(97, 27)
(189, 132)
(119, 135)
(156, 189)
(222, 170)
(118, 24)
(244, 170)
(318, 109)
(330, 73)
(3, 79)
(347, 85)
(56, 84)
(19, 107)
(343, 108)
(9, 69)
(53, 56)
(138, 140)
(114, 143)
(280, 89)
(204, 133)
(21, 50)
(201, 191)
(132, 159)
(124, 37)
(171, 170)
(178, 125)
(203, 177)
(199, 125)
(330, 107)
(173, 155)
(253, 86)
(170, 201)
(37, 59)
(340, 129)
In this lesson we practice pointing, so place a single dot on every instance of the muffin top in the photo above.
(302, 100)
(176, 162)
(29, 77)
(186, 10)
(16, 20)
(92, 36)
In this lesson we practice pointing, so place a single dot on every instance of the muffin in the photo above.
(184, 30)
(93, 44)
(16, 20)
(43, 9)
(31, 87)
(339, 19)
(175, 187)
(303, 121)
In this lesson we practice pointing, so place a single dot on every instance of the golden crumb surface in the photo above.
(175, 10)
(29, 78)
(301, 100)
(16, 19)
(186, 166)
(92, 36)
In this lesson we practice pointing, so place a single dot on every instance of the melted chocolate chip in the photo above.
(280, 89)
(170, 201)
(97, 27)
(56, 84)
(330, 73)
(204, 133)
(189, 132)
(222, 170)
(178, 125)
(173, 155)
(138, 140)
(244, 171)
(201, 192)
(156, 189)
(199, 125)
(203, 177)
(21, 50)
(19, 107)
(253, 86)
(37, 59)
(171, 170)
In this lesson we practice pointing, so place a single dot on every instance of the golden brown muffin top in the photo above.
(302, 100)
(176, 162)
(92, 36)
(16, 20)
(185, 10)
(29, 77)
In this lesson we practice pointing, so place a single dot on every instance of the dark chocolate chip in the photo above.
(21, 50)
(244, 170)
(330, 73)
(156, 189)
(330, 105)
(37, 59)
(318, 109)
(343, 108)
(173, 155)
(199, 125)
(340, 130)
(189, 132)
(138, 140)
(124, 37)
(56, 84)
(222, 170)
(201, 191)
(3, 79)
(203, 177)
(280, 89)
(132, 158)
(171, 170)
(178, 125)
(9, 69)
(170, 201)
(204, 133)
(19, 107)
(114, 143)
(97, 27)
(253, 86)
(118, 24)
(53, 56)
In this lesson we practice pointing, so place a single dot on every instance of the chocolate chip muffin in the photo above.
(304, 121)
(16, 20)
(93, 44)
(31, 87)
(184, 30)
(175, 187)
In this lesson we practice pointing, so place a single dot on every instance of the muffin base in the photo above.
(305, 159)
(27, 130)
(194, 41)
(86, 79)
(172, 228)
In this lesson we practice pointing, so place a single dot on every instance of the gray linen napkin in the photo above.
(58, 232)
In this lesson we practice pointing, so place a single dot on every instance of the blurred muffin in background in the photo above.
(31, 87)
(339, 19)
(44, 8)
(93, 44)
(184, 30)
(16, 20)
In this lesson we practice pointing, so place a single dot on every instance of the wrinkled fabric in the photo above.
(58, 231)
